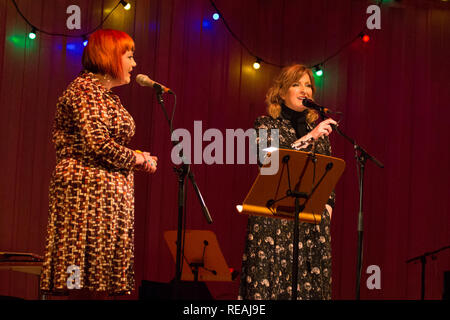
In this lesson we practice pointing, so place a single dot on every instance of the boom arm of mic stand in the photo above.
(357, 147)
(200, 198)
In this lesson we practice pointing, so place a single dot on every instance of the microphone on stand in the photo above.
(145, 81)
(312, 105)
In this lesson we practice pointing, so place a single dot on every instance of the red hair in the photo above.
(104, 51)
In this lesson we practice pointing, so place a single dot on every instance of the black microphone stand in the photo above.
(361, 156)
(423, 262)
(182, 171)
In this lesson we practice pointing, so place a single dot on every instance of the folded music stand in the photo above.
(23, 262)
(202, 258)
(299, 190)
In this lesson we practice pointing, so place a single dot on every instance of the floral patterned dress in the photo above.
(90, 230)
(267, 260)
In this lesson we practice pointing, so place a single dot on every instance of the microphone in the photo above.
(145, 81)
(312, 105)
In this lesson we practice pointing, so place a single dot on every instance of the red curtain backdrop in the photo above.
(393, 90)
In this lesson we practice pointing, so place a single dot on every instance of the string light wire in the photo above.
(258, 57)
(221, 17)
(84, 35)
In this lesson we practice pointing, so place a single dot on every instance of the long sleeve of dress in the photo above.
(92, 119)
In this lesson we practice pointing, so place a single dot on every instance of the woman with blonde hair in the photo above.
(267, 261)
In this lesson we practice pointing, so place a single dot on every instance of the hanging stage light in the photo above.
(85, 41)
(32, 34)
(216, 16)
(365, 38)
(257, 64)
(318, 71)
(126, 5)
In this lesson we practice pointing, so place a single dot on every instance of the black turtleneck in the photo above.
(297, 119)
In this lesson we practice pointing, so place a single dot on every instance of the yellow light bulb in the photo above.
(125, 5)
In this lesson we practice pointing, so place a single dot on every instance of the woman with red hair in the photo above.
(90, 232)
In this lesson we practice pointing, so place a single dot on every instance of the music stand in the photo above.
(202, 259)
(305, 176)
(23, 262)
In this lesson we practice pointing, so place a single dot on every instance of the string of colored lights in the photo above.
(317, 68)
(33, 33)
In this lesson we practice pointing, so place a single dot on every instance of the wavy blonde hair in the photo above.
(288, 76)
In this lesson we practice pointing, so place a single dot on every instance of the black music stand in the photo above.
(299, 190)
(202, 258)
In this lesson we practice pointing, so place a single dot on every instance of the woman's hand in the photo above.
(322, 129)
(146, 161)
(329, 209)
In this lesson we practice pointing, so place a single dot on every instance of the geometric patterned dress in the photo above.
(90, 231)
(267, 259)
